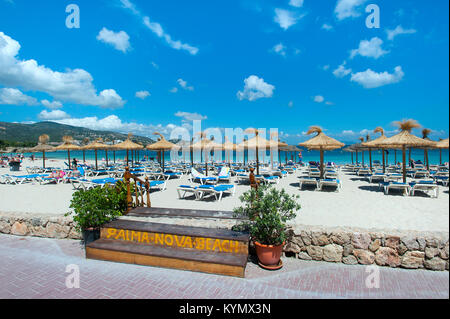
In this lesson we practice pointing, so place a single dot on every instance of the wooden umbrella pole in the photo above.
(409, 157)
(384, 163)
(127, 157)
(96, 164)
(362, 157)
(106, 152)
(206, 163)
(404, 163)
(163, 161)
(426, 159)
(370, 158)
(395, 157)
(440, 157)
(84, 156)
(356, 157)
(43, 158)
(321, 163)
(352, 157)
(114, 154)
(257, 160)
(68, 155)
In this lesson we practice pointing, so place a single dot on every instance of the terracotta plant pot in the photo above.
(269, 255)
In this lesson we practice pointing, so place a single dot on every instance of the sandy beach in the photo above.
(359, 204)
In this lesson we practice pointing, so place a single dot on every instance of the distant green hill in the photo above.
(29, 133)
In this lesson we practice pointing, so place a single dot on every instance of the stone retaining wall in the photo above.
(38, 226)
(406, 249)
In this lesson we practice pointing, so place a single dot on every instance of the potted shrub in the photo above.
(94, 207)
(268, 210)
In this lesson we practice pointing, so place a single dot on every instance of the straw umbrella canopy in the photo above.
(67, 146)
(205, 144)
(257, 142)
(350, 150)
(228, 147)
(161, 145)
(128, 145)
(322, 143)
(442, 144)
(425, 133)
(96, 145)
(42, 147)
(405, 139)
(374, 143)
(279, 145)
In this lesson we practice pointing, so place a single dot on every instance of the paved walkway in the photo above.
(36, 268)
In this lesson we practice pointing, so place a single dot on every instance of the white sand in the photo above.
(359, 204)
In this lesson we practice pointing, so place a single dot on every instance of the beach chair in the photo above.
(243, 178)
(393, 177)
(159, 184)
(308, 181)
(425, 186)
(331, 183)
(196, 176)
(421, 174)
(182, 190)
(364, 171)
(80, 183)
(404, 187)
(376, 177)
(169, 175)
(217, 191)
(224, 174)
(313, 173)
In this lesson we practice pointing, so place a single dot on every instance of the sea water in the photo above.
(337, 156)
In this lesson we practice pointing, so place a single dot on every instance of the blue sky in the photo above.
(142, 66)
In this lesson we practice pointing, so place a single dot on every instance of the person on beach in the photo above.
(74, 163)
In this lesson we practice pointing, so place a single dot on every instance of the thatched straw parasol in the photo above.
(405, 139)
(425, 133)
(67, 146)
(257, 142)
(322, 143)
(228, 147)
(96, 145)
(279, 145)
(42, 147)
(373, 144)
(205, 144)
(442, 144)
(161, 145)
(128, 145)
(350, 150)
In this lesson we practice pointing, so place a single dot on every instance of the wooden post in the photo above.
(426, 159)
(96, 164)
(321, 164)
(106, 153)
(352, 157)
(43, 158)
(384, 163)
(127, 177)
(404, 162)
(147, 188)
(370, 158)
(68, 155)
(440, 156)
(257, 160)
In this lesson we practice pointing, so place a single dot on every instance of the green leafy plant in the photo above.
(268, 210)
(97, 206)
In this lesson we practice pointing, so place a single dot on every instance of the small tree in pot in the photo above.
(268, 210)
(94, 207)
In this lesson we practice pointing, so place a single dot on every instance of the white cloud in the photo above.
(327, 27)
(370, 49)
(158, 30)
(325, 67)
(341, 71)
(185, 85)
(53, 115)
(319, 99)
(173, 90)
(296, 3)
(370, 79)
(9, 96)
(52, 105)
(142, 94)
(291, 104)
(70, 86)
(115, 124)
(286, 18)
(189, 117)
(391, 34)
(119, 40)
(255, 88)
(280, 49)
(348, 8)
